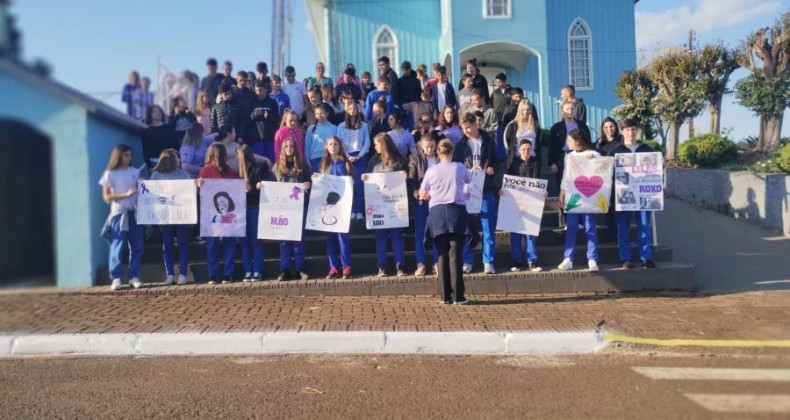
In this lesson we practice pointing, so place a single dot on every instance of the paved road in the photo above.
(616, 384)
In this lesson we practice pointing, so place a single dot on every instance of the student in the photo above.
(449, 124)
(367, 85)
(217, 167)
(386, 70)
(289, 128)
(558, 134)
(478, 80)
(128, 91)
(644, 239)
(610, 136)
(477, 151)
(579, 145)
(320, 79)
(292, 168)
(168, 168)
(490, 122)
(210, 83)
(227, 137)
(297, 93)
(408, 87)
(282, 98)
(425, 126)
(349, 84)
(417, 109)
(465, 94)
(388, 159)
(378, 122)
(203, 111)
(443, 189)
(523, 165)
(500, 98)
(119, 187)
(419, 163)
(523, 126)
(316, 136)
(313, 99)
(402, 139)
(180, 118)
(265, 118)
(353, 132)
(516, 96)
(251, 247)
(193, 150)
(380, 94)
(568, 94)
(142, 98)
(157, 136)
(442, 91)
(335, 162)
(224, 113)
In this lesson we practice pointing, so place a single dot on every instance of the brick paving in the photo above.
(755, 315)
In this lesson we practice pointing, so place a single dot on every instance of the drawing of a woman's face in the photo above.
(222, 204)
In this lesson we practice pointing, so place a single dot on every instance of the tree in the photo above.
(717, 63)
(637, 91)
(765, 91)
(681, 92)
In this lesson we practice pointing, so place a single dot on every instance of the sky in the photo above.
(94, 50)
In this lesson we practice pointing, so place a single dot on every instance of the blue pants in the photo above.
(228, 253)
(118, 239)
(291, 255)
(258, 148)
(251, 246)
(420, 220)
(315, 164)
(572, 221)
(644, 235)
(169, 232)
(488, 223)
(519, 256)
(360, 167)
(397, 246)
(268, 151)
(332, 241)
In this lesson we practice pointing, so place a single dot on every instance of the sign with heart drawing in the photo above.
(588, 184)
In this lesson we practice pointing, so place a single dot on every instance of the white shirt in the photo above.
(477, 147)
(296, 93)
(440, 89)
(121, 181)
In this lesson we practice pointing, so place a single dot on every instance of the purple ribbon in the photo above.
(295, 193)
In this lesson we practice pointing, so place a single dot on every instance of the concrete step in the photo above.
(365, 263)
(666, 277)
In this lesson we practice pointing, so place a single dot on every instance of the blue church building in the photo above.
(541, 45)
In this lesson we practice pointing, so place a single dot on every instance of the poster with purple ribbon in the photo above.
(282, 211)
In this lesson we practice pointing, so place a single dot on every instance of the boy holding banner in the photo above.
(630, 146)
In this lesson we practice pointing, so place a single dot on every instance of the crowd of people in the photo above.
(260, 127)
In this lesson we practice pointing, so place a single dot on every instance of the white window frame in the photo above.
(508, 9)
(394, 45)
(588, 39)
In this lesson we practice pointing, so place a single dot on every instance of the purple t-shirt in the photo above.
(445, 183)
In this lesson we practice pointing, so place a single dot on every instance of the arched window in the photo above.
(385, 44)
(580, 55)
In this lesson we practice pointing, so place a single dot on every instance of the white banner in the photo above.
(166, 202)
(281, 211)
(223, 208)
(589, 184)
(639, 181)
(386, 201)
(521, 205)
(474, 192)
(329, 209)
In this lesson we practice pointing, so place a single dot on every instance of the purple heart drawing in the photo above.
(588, 186)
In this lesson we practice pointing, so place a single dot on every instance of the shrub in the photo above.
(653, 145)
(782, 158)
(708, 151)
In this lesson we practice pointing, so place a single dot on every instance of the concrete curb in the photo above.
(285, 342)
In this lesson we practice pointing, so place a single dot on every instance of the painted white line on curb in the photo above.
(743, 403)
(283, 342)
(715, 374)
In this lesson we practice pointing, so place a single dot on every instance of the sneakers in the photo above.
(135, 282)
(182, 280)
(347, 272)
(447, 302)
(247, 278)
(648, 264)
(467, 268)
(284, 276)
(534, 267)
(400, 272)
(625, 264)
(256, 277)
(593, 265)
(462, 302)
(488, 268)
(227, 280)
(516, 268)
(303, 274)
(420, 270)
(566, 265)
(332, 274)
(116, 284)
(382, 272)
(213, 280)
(169, 281)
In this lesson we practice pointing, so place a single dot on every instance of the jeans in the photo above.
(572, 224)
(134, 238)
(450, 266)
(420, 212)
(488, 224)
(344, 241)
(644, 235)
(519, 256)
(292, 255)
(228, 253)
(397, 246)
(169, 233)
(360, 167)
(251, 246)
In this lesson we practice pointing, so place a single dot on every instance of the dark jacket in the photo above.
(290, 176)
(418, 165)
(263, 123)
(156, 139)
(523, 169)
(409, 89)
(512, 145)
(374, 165)
(449, 95)
(351, 87)
(557, 139)
(488, 158)
(222, 114)
(242, 99)
(258, 173)
(605, 148)
(393, 77)
(622, 148)
(377, 126)
(499, 101)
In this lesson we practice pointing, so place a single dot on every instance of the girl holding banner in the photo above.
(252, 247)
(169, 168)
(292, 168)
(388, 159)
(217, 167)
(443, 189)
(119, 186)
(354, 135)
(524, 165)
(419, 163)
(578, 144)
(336, 162)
